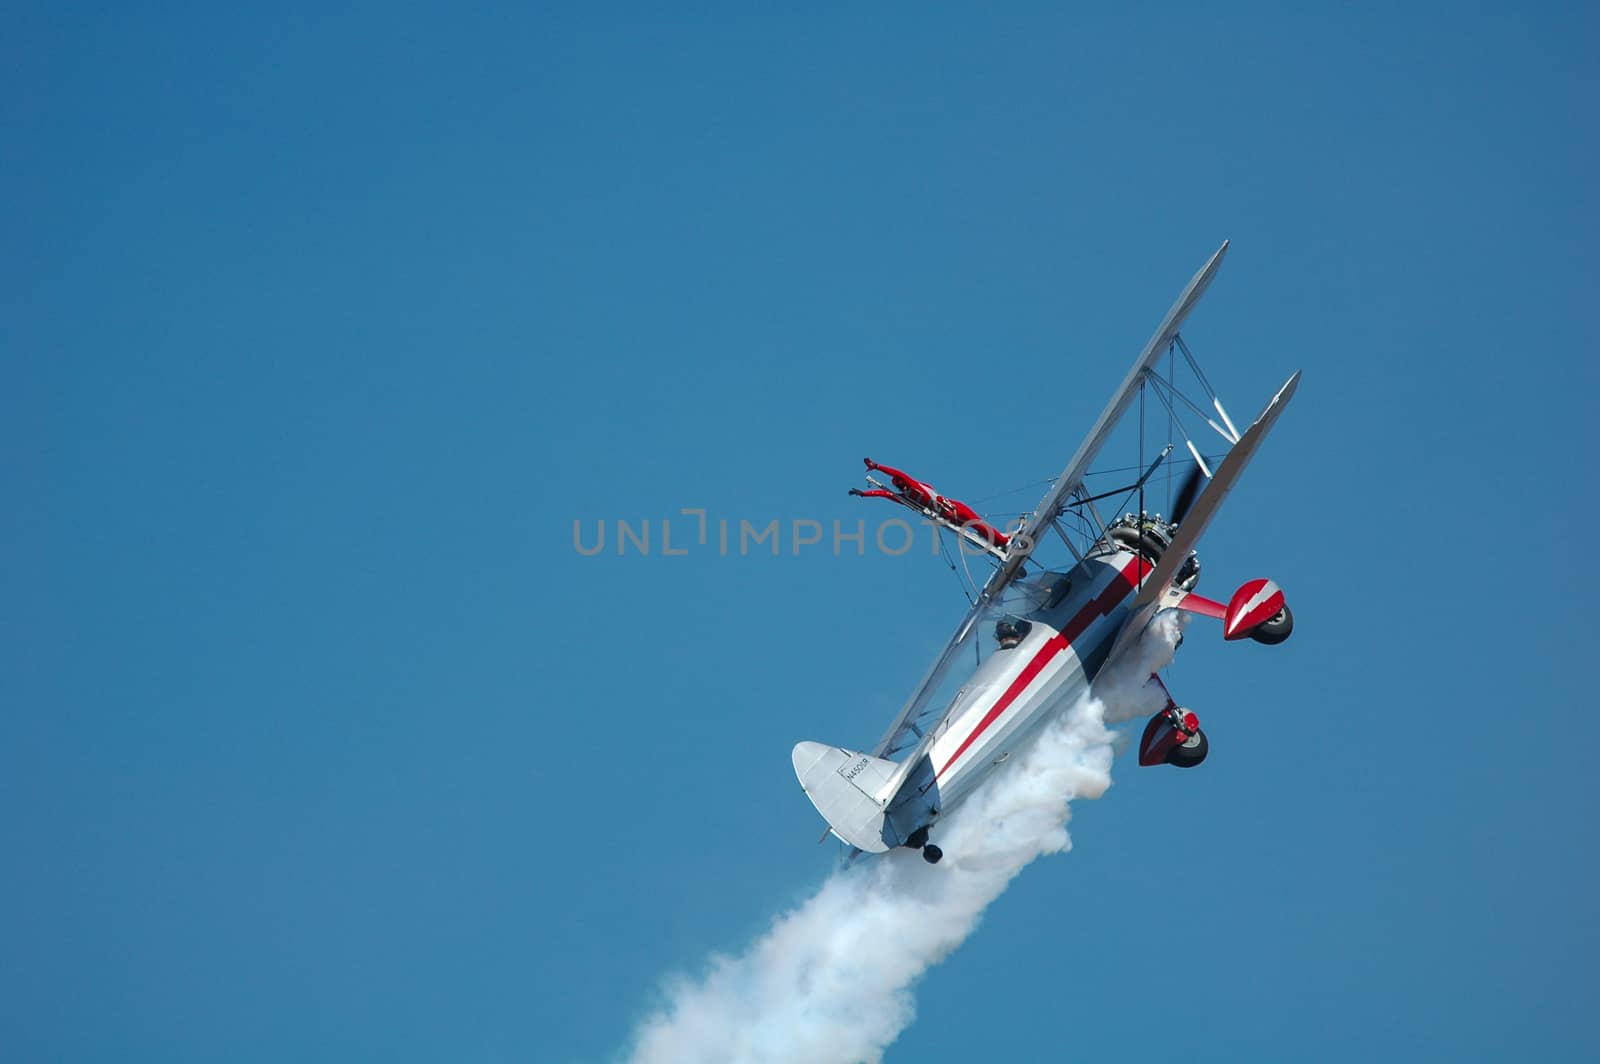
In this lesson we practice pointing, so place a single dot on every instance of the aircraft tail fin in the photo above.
(841, 784)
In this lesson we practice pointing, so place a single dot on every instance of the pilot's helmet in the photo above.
(1009, 632)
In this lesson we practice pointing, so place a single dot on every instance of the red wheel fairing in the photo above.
(1256, 601)
(1166, 733)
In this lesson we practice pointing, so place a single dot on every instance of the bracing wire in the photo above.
(944, 550)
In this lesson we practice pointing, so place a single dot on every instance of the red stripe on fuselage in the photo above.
(1125, 581)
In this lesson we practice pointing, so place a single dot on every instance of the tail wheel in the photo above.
(1191, 752)
(1274, 629)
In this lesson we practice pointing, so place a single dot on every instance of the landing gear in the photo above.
(1274, 629)
(1190, 752)
(1173, 737)
(918, 840)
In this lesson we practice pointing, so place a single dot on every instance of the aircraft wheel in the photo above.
(1274, 629)
(932, 853)
(1191, 753)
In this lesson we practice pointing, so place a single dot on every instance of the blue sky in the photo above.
(322, 328)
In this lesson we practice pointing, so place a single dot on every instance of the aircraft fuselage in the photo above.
(1018, 688)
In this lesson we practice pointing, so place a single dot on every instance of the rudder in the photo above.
(843, 785)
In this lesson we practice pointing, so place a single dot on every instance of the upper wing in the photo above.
(1071, 478)
(910, 727)
(1217, 488)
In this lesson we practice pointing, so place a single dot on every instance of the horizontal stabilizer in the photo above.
(841, 784)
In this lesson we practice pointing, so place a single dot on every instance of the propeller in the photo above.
(1186, 495)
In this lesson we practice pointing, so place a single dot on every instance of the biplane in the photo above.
(1037, 635)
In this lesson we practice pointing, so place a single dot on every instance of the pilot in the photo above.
(1009, 632)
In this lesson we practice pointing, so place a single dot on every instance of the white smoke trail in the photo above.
(1126, 690)
(831, 980)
